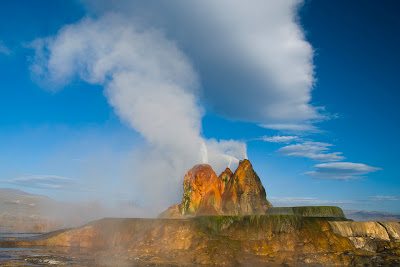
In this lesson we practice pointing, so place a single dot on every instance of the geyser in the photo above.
(151, 85)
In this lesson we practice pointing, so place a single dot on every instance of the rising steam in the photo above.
(153, 88)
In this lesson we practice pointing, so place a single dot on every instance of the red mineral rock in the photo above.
(229, 194)
(201, 187)
(225, 176)
(244, 194)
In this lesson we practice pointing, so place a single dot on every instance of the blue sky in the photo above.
(307, 92)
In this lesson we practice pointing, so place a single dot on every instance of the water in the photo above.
(61, 256)
(33, 257)
(30, 256)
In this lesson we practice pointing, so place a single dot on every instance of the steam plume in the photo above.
(152, 86)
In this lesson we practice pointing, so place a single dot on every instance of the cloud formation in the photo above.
(253, 59)
(312, 150)
(291, 127)
(279, 139)
(340, 171)
(52, 182)
(4, 49)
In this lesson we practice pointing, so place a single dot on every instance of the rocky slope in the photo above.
(24, 212)
(244, 193)
(205, 193)
(202, 189)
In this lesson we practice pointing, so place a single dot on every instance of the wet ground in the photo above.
(35, 256)
(13, 257)
(32, 257)
(64, 256)
(16, 236)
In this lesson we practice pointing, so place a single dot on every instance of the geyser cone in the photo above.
(204, 193)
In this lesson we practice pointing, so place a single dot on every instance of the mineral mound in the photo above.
(205, 193)
(227, 220)
(251, 240)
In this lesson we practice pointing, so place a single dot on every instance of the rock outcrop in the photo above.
(201, 188)
(225, 177)
(363, 235)
(244, 193)
(205, 193)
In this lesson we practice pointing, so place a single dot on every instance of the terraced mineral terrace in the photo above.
(243, 240)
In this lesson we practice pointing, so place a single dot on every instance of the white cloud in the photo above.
(384, 198)
(254, 60)
(44, 182)
(312, 150)
(341, 170)
(305, 201)
(4, 49)
(279, 139)
(290, 127)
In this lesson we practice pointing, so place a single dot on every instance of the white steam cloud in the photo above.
(151, 85)
(254, 61)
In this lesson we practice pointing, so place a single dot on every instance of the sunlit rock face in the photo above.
(201, 188)
(244, 193)
(225, 177)
(205, 193)
(172, 212)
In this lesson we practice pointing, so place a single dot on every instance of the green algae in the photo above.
(308, 211)
(225, 178)
(218, 222)
(272, 223)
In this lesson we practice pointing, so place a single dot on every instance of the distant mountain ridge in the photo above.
(364, 215)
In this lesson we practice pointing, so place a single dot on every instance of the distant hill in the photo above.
(363, 215)
(13, 191)
(24, 212)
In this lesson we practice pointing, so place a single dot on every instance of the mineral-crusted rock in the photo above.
(363, 234)
(225, 176)
(244, 193)
(172, 212)
(360, 229)
(393, 229)
(308, 211)
(207, 210)
(229, 194)
(201, 187)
